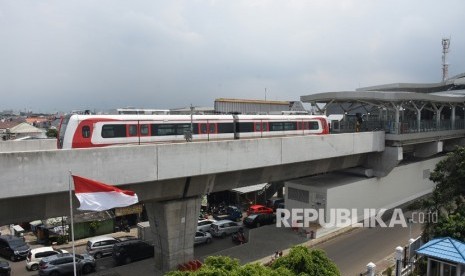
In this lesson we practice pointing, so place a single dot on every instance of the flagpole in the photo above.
(72, 222)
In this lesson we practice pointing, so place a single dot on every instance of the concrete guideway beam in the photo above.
(173, 225)
(43, 172)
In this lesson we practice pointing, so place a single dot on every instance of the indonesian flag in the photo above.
(96, 196)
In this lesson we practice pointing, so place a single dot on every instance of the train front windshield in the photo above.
(62, 129)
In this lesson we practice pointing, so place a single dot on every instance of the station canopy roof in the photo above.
(380, 97)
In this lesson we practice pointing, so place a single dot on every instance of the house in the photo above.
(446, 256)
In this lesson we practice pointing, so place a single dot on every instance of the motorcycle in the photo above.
(239, 238)
(123, 228)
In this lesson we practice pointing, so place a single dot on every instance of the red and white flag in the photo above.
(97, 196)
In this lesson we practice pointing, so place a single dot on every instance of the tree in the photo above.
(52, 133)
(302, 261)
(448, 198)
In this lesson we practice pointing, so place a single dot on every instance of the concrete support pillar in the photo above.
(397, 120)
(173, 225)
(428, 267)
(438, 115)
(383, 162)
(418, 109)
(452, 117)
(458, 270)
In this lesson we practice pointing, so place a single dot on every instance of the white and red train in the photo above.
(87, 131)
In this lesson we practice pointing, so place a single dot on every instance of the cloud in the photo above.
(63, 55)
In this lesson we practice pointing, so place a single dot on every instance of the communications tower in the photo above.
(445, 51)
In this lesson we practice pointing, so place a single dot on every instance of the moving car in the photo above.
(100, 246)
(13, 248)
(202, 237)
(35, 256)
(61, 264)
(224, 227)
(257, 220)
(132, 250)
(259, 209)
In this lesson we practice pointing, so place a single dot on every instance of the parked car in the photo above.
(5, 269)
(35, 256)
(224, 227)
(202, 237)
(13, 248)
(204, 224)
(100, 246)
(61, 264)
(259, 209)
(132, 250)
(231, 213)
(274, 202)
(257, 220)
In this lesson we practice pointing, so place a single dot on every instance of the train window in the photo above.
(313, 125)
(276, 126)
(144, 130)
(164, 129)
(212, 128)
(299, 125)
(203, 128)
(113, 131)
(246, 127)
(258, 127)
(85, 132)
(290, 126)
(182, 128)
(225, 127)
(132, 130)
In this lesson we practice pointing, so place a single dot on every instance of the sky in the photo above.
(65, 55)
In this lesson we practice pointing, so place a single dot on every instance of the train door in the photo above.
(207, 129)
(211, 129)
(260, 127)
(132, 132)
(144, 131)
(301, 126)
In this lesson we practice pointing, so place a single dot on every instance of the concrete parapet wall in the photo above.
(28, 145)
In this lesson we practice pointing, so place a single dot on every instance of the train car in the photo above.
(86, 131)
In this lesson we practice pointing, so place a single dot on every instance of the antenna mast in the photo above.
(445, 51)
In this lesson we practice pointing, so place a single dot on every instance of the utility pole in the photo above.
(445, 51)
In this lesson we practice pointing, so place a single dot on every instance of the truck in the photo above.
(232, 213)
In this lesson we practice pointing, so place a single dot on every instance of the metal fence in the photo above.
(403, 127)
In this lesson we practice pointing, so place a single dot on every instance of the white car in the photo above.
(204, 224)
(36, 254)
(202, 237)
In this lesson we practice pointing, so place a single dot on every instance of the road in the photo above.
(352, 251)
(200, 251)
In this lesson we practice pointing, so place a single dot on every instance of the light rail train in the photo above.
(87, 131)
